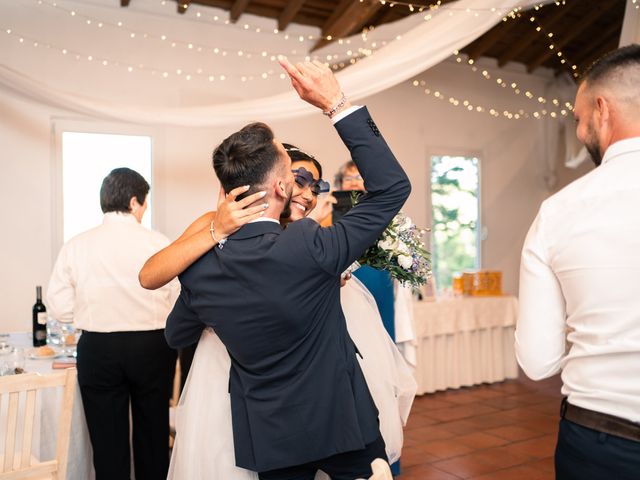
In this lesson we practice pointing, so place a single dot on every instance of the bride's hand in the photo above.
(233, 214)
(323, 208)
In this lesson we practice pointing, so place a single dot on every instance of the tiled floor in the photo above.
(502, 431)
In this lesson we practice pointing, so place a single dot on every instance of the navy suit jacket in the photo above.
(273, 298)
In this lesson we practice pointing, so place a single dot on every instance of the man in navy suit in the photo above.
(299, 400)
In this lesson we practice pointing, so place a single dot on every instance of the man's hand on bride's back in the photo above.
(233, 214)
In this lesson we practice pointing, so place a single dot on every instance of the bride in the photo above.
(203, 447)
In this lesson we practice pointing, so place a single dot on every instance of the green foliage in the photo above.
(455, 216)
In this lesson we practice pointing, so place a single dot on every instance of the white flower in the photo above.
(405, 261)
(388, 244)
(407, 224)
(402, 248)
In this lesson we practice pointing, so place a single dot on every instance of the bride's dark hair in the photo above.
(298, 155)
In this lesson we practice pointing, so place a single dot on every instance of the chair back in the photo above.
(381, 470)
(19, 393)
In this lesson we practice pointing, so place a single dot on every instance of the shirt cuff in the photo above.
(335, 119)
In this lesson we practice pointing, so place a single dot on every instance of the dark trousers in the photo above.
(586, 454)
(116, 370)
(186, 359)
(343, 466)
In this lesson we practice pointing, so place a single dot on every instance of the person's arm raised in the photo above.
(200, 237)
(387, 185)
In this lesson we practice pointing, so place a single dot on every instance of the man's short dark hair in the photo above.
(621, 58)
(119, 187)
(246, 157)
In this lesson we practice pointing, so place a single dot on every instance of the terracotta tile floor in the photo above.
(500, 431)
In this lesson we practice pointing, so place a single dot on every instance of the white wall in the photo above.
(414, 124)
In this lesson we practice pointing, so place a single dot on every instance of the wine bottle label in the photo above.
(41, 335)
(42, 318)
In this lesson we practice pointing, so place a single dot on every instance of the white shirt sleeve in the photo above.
(336, 118)
(540, 338)
(61, 292)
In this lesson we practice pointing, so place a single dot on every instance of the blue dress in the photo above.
(380, 284)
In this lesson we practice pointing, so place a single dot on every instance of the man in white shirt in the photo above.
(579, 283)
(123, 357)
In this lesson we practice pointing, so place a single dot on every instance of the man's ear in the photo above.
(134, 205)
(601, 111)
(280, 188)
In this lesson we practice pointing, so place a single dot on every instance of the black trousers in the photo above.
(586, 454)
(186, 359)
(343, 466)
(116, 370)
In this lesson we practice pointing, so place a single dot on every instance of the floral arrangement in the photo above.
(400, 250)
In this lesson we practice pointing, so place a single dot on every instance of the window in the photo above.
(455, 198)
(86, 159)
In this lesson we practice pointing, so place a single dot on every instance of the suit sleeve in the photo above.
(183, 325)
(387, 185)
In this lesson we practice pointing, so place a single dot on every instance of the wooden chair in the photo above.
(17, 461)
(381, 470)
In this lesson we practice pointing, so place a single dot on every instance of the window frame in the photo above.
(59, 125)
(457, 152)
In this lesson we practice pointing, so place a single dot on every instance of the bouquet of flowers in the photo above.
(401, 251)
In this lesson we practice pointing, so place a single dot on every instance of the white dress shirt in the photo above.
(580, 287)
(95, 279)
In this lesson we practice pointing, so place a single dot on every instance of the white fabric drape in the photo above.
(423, 45)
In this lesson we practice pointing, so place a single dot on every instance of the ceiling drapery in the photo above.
(424, 45)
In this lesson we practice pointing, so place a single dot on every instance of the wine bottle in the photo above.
(39, 320)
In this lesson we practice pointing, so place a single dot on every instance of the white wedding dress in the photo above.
(203, 447)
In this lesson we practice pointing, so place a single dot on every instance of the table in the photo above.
(464, 341)
(79, 465)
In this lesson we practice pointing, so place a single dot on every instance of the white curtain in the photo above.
(424, 44)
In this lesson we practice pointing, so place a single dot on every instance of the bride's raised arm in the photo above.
(200, 237)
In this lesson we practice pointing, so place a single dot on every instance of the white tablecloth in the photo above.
(464, 341)
(79, 465)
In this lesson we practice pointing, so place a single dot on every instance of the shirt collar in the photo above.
(265, 219)
(621, 147)
(111, 217)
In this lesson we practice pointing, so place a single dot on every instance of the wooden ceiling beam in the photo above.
(289, 13)
(608, 41)
(527, 40)
(237, 9)
(584, 24)
(183, 5)
(346, 18)
(486, 41)
(124, 3)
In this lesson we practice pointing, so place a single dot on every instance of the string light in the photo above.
(352, 54)
(26, 40)
(492, 111)
(179, 72)
(512, 86)
(134, 33)
(213, 20)
(548, 36)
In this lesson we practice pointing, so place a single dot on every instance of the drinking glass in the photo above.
(69, 335)
(54, 332)
(16, 361)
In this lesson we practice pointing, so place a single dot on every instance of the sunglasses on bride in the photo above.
(304, 178)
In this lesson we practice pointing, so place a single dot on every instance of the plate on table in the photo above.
(48, 354)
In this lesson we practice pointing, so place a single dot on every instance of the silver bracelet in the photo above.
(220, 242)
(338, 106)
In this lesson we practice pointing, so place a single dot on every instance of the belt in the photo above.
(602, 422)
